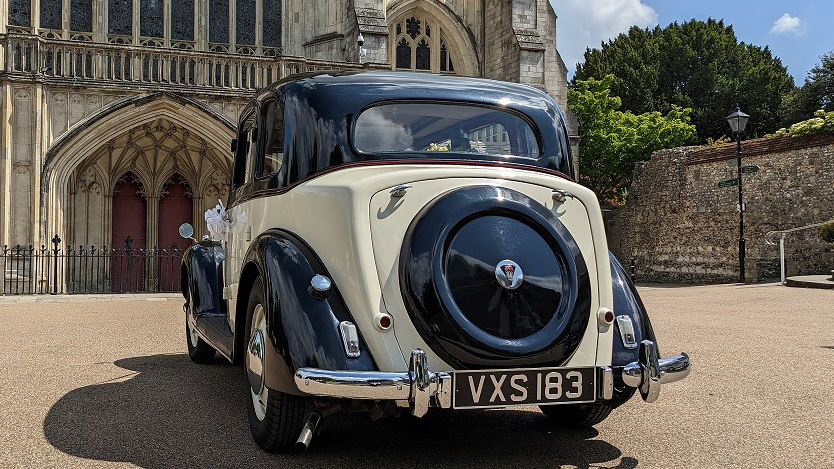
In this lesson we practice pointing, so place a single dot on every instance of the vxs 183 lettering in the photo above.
(496, 388)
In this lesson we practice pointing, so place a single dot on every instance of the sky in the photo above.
(797, 31)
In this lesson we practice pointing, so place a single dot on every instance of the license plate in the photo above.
(501, 388)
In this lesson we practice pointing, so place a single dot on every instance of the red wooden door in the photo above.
(127, 268)
(175, 208)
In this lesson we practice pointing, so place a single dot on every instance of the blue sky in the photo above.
(797, 31)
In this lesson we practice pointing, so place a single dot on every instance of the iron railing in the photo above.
(57, 269)
(783, 234)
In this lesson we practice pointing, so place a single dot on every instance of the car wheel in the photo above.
(275, 418)
(577, 415)
(198, 349)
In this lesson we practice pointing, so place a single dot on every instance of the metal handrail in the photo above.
(784, 234)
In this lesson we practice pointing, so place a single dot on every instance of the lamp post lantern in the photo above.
(738, 122)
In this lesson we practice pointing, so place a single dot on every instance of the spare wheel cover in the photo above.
(466, 311)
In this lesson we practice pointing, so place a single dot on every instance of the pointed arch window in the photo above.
(403, 54)
(423, 56)
(418, 44)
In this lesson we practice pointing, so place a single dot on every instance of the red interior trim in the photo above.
(493, 164)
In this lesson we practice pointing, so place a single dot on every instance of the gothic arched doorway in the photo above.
(176, 206)
(129, 236)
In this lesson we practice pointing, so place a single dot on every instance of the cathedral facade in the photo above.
(118, 114)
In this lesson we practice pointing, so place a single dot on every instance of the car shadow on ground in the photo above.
(169, 412)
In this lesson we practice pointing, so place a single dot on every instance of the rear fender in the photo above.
(202, 279)
(627, 302)
(303, 330)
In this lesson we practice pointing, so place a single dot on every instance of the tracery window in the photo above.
(120, 17)
(419, 45)
(219, 21)
(150, 18)
(272, 23)
(403, 54)
(51, 14)
(20, 12)
(81, 15)
(245, 27)
(182, 20)
(423, 61)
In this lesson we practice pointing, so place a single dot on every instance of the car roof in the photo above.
(418, 79)
(321, 106)
(408, 85)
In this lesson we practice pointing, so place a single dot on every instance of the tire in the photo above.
(577, 415)
(199, 350)
(275, 418)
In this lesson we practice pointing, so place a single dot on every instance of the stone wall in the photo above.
(679, 226)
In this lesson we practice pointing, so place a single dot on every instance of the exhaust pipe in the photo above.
(307, 431)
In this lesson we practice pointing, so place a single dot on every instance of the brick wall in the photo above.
(679, 226)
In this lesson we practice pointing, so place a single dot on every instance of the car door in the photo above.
(240, 227)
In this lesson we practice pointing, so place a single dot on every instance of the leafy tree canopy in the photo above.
(699, 65)
(817, 93)
(612, 141)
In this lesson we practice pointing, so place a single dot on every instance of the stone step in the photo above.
(811, 281)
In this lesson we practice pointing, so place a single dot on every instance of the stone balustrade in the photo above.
(62, 62)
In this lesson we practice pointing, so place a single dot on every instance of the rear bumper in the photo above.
(419, 386)
(423, 388)
(650, 371)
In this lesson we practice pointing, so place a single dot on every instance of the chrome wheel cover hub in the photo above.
(509, 274)
(255, 362)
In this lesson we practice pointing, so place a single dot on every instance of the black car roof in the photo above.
(383, 80)
(320, 108)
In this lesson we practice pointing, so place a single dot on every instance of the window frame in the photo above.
(248, 123)
(271, 180)
(385, 155)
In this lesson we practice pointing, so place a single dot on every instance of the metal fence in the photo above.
(58, 269)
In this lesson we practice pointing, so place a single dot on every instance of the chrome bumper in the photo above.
(418, 385)
(650, 371)
(423, 388)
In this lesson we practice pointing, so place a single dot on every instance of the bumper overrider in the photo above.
(423, 388)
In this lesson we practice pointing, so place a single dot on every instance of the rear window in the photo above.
(420, 128)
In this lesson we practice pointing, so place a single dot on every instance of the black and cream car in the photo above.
(396, 242)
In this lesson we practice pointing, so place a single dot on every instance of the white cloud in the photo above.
(786, 24)
(586, 23)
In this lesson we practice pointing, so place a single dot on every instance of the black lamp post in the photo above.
(738, 121)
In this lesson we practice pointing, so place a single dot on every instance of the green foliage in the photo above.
(821, 124)
(612, 141)
(826, 232)
(817, 93)
(698, 65)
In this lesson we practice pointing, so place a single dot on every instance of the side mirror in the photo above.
(187, 231)
(234, 145)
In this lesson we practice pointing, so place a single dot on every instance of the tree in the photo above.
(612, 141)
(816, 93)
(697, 64)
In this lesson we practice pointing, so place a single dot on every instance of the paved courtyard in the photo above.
(105, 381)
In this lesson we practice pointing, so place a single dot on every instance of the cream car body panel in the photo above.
(339, 215)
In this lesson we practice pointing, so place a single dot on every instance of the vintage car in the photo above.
(395, 242)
